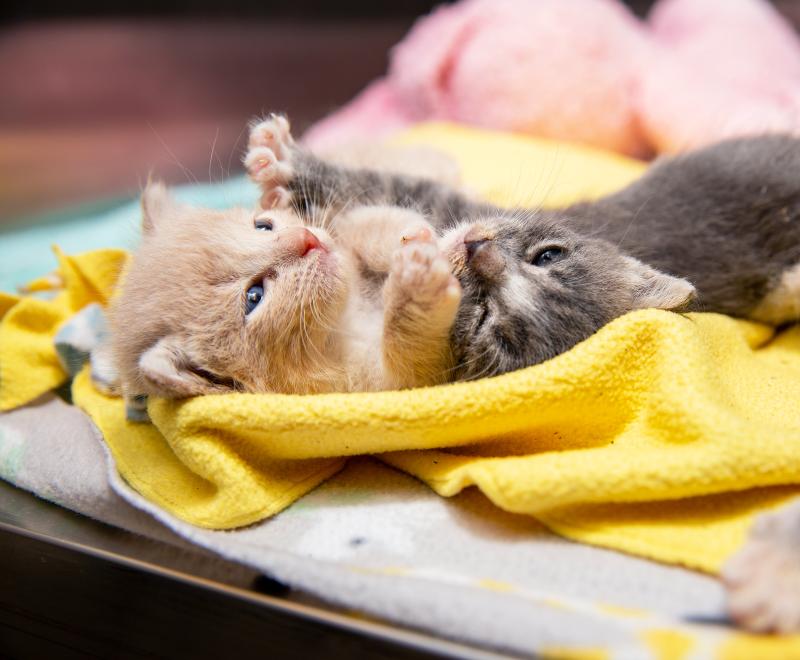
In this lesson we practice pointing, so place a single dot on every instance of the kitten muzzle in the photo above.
(471, 250)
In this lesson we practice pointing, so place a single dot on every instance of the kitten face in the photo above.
(220, 300)
(533, 289)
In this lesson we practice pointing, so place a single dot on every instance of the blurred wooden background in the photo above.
(91, 107)
(92, 102)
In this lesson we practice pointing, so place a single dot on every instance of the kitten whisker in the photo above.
(211, 155)
(187, 172)
(233, 149)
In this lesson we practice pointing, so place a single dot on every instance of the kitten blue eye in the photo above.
(254, 295)
(264, 224)
(547, 256)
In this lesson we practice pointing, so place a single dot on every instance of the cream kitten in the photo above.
(217, 301)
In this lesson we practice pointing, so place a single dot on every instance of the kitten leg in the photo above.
(763, 578)
(269, 160)
(421, 298)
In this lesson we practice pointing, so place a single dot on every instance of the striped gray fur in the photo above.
(726, 218)
(326, 187)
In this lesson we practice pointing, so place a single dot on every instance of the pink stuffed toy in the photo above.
(723, 68)
(588, 71)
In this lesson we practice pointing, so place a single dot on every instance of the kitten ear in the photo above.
(652, 288)
(169, 371)
(156, 203)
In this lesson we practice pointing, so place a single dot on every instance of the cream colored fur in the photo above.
(369, 309)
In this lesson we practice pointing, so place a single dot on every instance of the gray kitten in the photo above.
(535, 283)
(726, 218)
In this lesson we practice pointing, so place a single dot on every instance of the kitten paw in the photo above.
(422, 232)
(763, 578)
(274, 133)
(423, 273)
(268, 160)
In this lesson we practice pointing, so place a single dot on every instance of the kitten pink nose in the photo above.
(308, 242)
(299, 241)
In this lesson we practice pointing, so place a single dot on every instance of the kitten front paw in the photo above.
(421, 299)
(422, 274)
(421, 231)
(269, 160)
(763, 578)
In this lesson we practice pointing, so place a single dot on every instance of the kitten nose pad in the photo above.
(309, 242)
(299, 241)
(473, 247)
(484, 258)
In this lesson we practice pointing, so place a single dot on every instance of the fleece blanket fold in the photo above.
(376, 541)
(662, 435)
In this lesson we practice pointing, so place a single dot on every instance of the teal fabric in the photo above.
(25, 249)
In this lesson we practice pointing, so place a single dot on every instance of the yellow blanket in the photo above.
(661, 435)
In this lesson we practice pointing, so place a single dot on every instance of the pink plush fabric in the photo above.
(723, 68)
(588, 71)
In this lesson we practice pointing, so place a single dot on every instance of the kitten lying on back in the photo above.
(234, 300)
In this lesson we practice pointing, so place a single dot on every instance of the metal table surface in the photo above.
(72, 587)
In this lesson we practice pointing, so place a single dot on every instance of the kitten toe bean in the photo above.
(264, 166)
(273, 133)
(423, 233)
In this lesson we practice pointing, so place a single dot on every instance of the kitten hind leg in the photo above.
(421, 298)
(763, 578)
